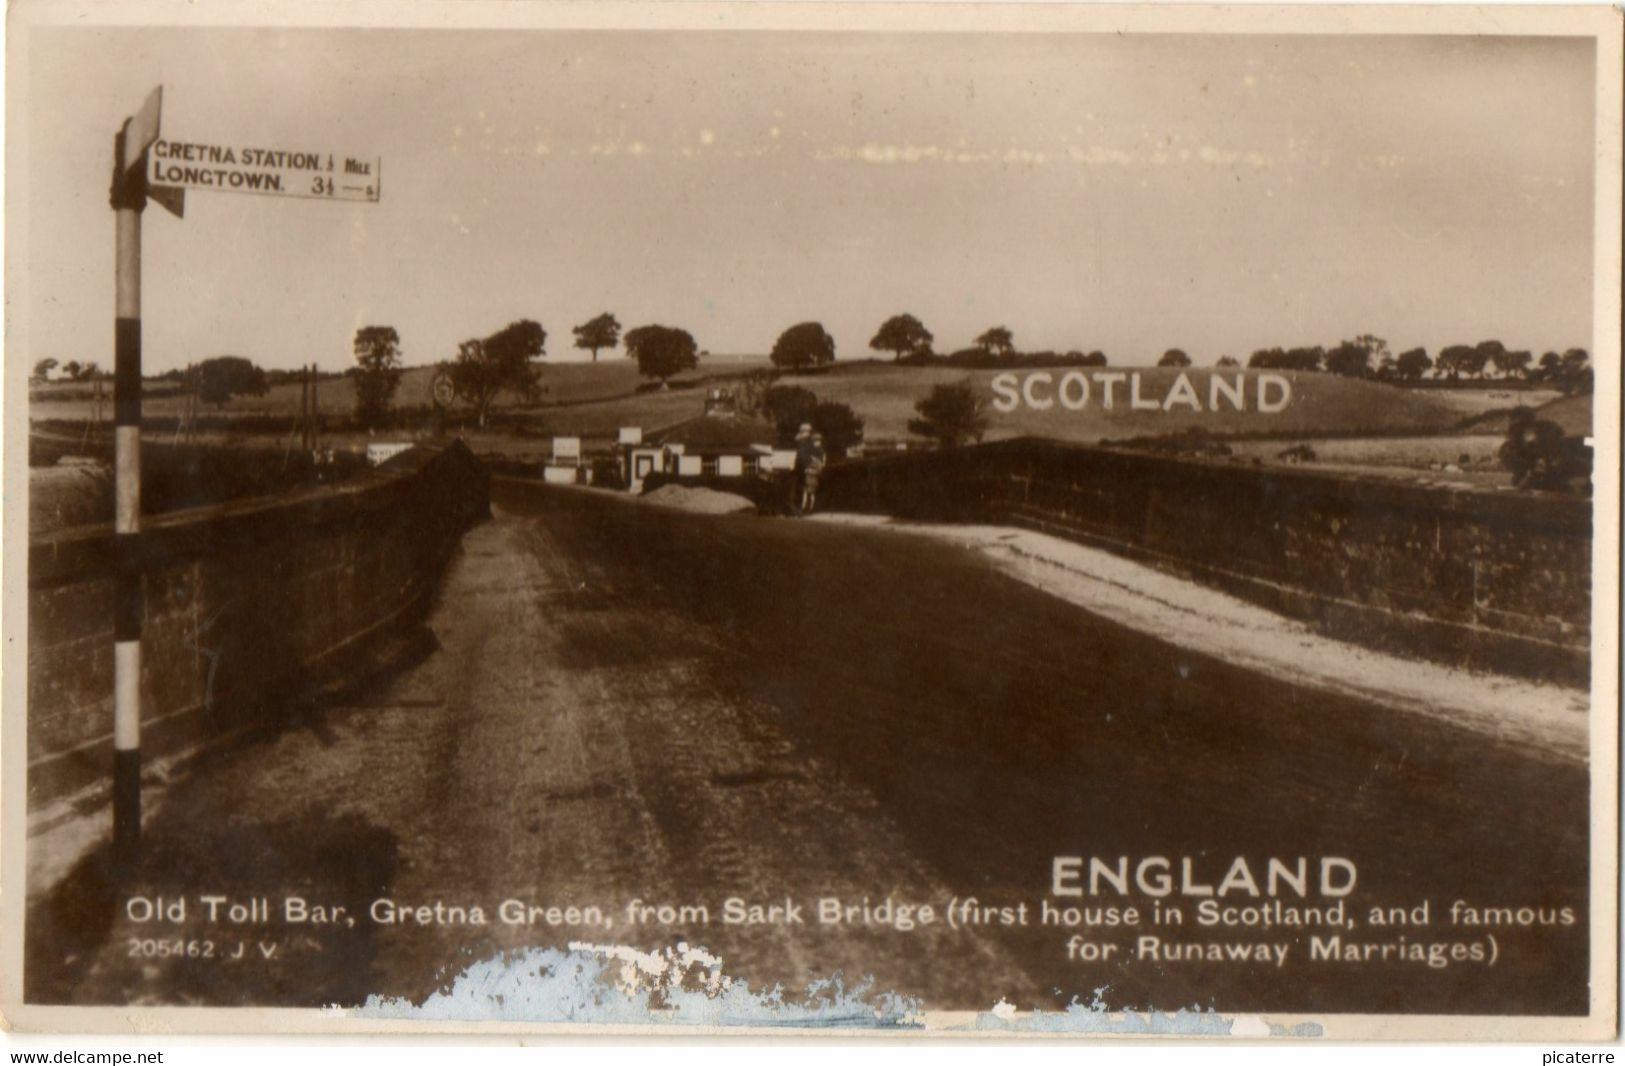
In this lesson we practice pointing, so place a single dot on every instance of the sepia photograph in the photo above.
(937, 519)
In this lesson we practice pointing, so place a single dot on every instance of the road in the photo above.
(625, 702)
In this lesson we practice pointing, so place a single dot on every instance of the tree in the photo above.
(1227, 362)
(662, 351)
(377, 373)
(840, 425)
(1574, 372)
(804, 346)
(1312, 357)
(1461, 359)
(1174, 357)
(72, 369)
(224, 376)
(902, 335)
(1540, 455)
(503, 362)
(601, 332)
(789, 406)
(1489, 353)
(1095, 358)
(43, 368)
(1350, 359)
(997, 342)
(1412, 364)
(1570, 372)
(1510, 363)
(1376, 350)
(951, 415)
(1295, 359)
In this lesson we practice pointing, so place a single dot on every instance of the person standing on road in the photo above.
(809, 480)
(803, 446)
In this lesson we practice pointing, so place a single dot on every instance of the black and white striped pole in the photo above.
(129, 198)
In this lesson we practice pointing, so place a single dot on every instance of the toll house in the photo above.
(718, 443)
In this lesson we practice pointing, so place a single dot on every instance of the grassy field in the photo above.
(1572, 414)
(566, 384)
(1463, 460)
(884, 397)
(1320, 404)
(1361, 425)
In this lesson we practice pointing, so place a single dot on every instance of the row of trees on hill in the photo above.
(1367, 356)
(72, 370)
(662, 352)
(508, 362)
(483, 369)
(808, 346)
(911, 343)
(216, 379)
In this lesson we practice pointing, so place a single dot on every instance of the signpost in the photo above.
(145, 167)
(129, 199)
(264, 171)
(442, 392)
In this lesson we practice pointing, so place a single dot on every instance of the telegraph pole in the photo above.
(129, 199)
(315, 407)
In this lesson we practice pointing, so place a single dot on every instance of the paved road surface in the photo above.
(630, 702)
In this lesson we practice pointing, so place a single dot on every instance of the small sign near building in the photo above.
(441, 389)
(385, 451)
(630, 435)
(567, 449)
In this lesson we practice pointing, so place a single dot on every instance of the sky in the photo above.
(1088, 191)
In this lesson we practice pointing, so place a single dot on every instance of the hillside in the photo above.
(1320, 404)
(565, 383)
(594, 400)
(1572, 414)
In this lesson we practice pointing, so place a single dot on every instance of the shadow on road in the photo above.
(82, 945)
(1000, 727)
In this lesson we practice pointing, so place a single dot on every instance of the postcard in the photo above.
(1005, 520)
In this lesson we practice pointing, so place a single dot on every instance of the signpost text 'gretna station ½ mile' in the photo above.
(145, 167)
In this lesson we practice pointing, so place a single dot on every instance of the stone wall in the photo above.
(246, 602)
(1476, 578)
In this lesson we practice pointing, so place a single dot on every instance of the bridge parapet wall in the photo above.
(1487, 579)
(246, 604)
